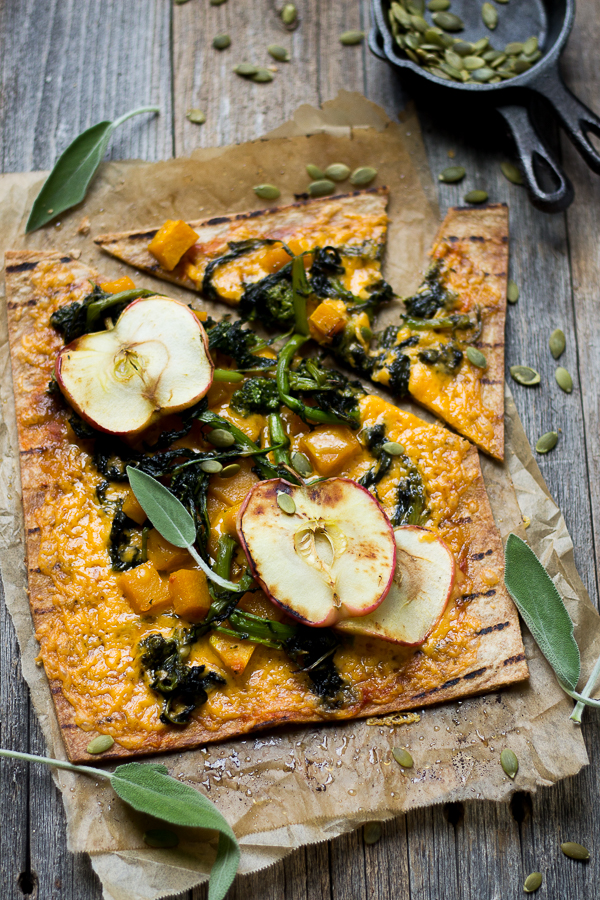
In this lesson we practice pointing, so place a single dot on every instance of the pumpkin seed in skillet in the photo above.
(419, 23)
(454, 60)
(362, 176)
(480, 45)
(266, 191)
(483, 75)
(547, 442)
(337, 172)
(520, 66)
(351, 38)
(530, 45)
(532, 882)
(575, 851)
(448, 21)
(489, 15)
(472, 63)
(564, 380)
(514, 48)
(221, 42)
(463, 48)
(415, 7)
(278, 53)
(525, 375)
(512, 293)
(438, 5)
(510, 171)
(321, 187)
(452, 174)
(401, 15)
(452, 72)
(498, 61)
(435, 39)
(476, 197)
(557, 342)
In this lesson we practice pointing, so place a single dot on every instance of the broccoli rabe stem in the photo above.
(278, 436)
(300, 292)
(99, 308)
(284, 360)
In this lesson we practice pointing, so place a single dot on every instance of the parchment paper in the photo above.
(286, 788)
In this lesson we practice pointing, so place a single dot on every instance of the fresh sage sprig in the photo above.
(171, 519)
(548, 620)
(149, 788)
(70, 178)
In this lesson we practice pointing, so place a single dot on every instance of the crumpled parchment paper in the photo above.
(294, 786)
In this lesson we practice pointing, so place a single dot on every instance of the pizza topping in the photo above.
(170, 243)
(153, 362)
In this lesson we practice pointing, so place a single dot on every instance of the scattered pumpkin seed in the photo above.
(547, 442)
(476, 358)
(301, 464)
(286, 503)
(337, 172)
(438, 5)
(212, 466)
(267, 191)
(564, 380)
(180, 2)
(321, 187)
(510, 171)
(532, 882)
(217, 2)
(393, 448)
(512, 292)
(315, 172)
(100, 744)
(351, 38)
(278, 53)
(262, 76)
(448, 21)
(557, 342)
(530, 45)
(230, 470)
(472, 63)
(452, 174)
(220, 438)
(509, 763)
(372, 832)
(196, 116)
(161, 838)
(525, 375)
(221, 42)
(289, 14)
(489, 14)
(502, 1)
(403, 757)
(476, 197)
(575, 851)
(514, 48)
(246, 70)
(363, 175)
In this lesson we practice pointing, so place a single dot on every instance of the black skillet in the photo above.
(551, 21)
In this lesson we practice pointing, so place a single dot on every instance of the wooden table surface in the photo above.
(67, 65)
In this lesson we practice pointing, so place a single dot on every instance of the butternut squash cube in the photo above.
(232, 491)
(132, 508)
(330, 448)
(120, 284)
(171, 241)
(233, 653)
(188, 589)
(164, 555)
(145, 590)
(329, 318)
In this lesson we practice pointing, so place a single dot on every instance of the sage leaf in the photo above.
(167, 514)
(70, 178)
(543, 610)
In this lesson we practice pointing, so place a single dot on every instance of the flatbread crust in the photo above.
(499, 658)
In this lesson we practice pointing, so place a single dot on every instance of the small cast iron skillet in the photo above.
(551, 21)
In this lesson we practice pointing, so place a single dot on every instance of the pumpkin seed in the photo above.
(483, 74)
(463, 48)
(415, 7)
(372, 832)
(489, 15)
(301, 464)
(100, 744)
(435, 39)
(448, 21)
(161, 838)
(289, 14)
(278, 53)
(520, 66)
(315, 172)
(512, 292)
(490, 55)
(453, 59)
(525, 375)
(403, 757)
(510, 171)
(262, 76)
(476, 358)
(412, 41)
(221, 42)
(480, 45)
(401, 15)
(212, 466)
(547, 442)
(419, 23)
(196, 116)
(286, 503)
(514, 48)
(266, 191)
(530, 45)
(502, 1)
(230, 471)
(411, 54)
(393, 448)
(220, 438)
(351, 38)
(496, 63)
(575, 851)
(362, 176)
(557, 342)
(509, 763)
(476, 197)
(564, 380)
(438, 5)
(532, 882)
(473, 62)
(451, 71)
(246, 70)
(533, 57)
(337, 172)
(452, 174)
(217, 2)
(321, 187)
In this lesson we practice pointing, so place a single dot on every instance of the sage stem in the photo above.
(583, 699)
(222, 582)
(57, 763)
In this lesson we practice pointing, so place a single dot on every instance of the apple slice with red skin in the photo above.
(415, 603)
(333, 557)
(154, 362)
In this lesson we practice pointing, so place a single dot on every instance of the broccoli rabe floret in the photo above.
(257, 395)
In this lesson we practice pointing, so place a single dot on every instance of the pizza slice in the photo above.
(447, 351)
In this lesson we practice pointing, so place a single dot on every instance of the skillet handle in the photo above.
(575, 116)
(530, 148)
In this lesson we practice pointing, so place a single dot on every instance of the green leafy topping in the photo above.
(313, 649)
(79, 318)
(257, 395)
(432, 296)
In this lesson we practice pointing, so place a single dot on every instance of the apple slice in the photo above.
(422, 585)
(322, 552)
(153, 362)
